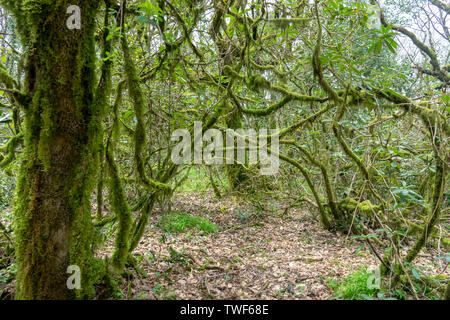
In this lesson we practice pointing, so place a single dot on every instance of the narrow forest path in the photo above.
(275, 257)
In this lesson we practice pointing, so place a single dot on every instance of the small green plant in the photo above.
(142, 296)
(354, 286)
(180, 222)
(7, 274)
(162, 292)
(7, 186)
(243, 216)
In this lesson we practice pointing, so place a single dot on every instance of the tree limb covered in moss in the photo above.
(122, 211)
(328, 185)
(429, 116)
(322, 213)
(10, 149)
(135, 91)
(435, 208)
(427, 50)
(441, 5)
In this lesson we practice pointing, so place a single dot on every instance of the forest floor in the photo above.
(272, 257)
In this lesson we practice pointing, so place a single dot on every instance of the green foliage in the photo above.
(354, 286)
(245, 216)
(150, 13)
(181, 222)
(162, 292)
(8, 274)
(6, 191)
(384, 37)
(406, 194)
(196, 181)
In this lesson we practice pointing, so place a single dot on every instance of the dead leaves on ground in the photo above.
(274, 258)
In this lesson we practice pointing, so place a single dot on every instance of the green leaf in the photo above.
(415, 273)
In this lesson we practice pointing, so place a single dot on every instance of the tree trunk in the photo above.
(62, 138)
(237, 176)
(228, 53)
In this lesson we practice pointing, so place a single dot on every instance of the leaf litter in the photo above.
(274, 257)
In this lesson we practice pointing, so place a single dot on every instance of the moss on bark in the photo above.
(62, 132)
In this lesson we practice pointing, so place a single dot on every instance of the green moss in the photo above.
(10, 149)
(135, 92)
(435, 208)
(429, 116)
(284, 22)
(59, 163)
(6, 78)
(328, 186)
(139, 227)
(237, 175)
(47, 130)
(349, 151)
(269, 110)
(229, 71)
(354, 286)
(447, 292)
(257, 82)
(322, 213)
(181, 222)
(122, 210)
(365, 208)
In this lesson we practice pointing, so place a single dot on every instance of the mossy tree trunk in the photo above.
(62, 141)
(236, 173)
(228, 54)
